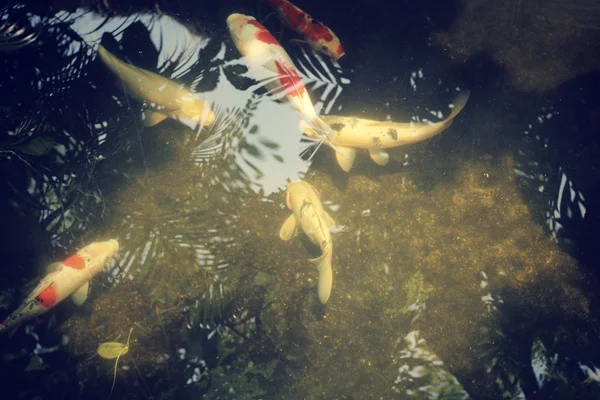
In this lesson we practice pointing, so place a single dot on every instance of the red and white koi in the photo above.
(68, 278)
(267, 60)
(318, 36)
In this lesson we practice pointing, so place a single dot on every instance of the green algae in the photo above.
(411, 256)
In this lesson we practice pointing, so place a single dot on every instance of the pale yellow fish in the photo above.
(351, 133)
(309, 216)
(110, 350)
(176, 100)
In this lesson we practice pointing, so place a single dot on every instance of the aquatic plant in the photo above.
(111, 350)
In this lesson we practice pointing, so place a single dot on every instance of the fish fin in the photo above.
(152, 118)
(290, 74)
(459, 103)
(328, 220)
(323, 265)
(345, 157)
(323, 128)
(289, 229)
(10, 330)
(307, 130)
(324, 131)
(50, 267)
(380, 157)
(299, 41)
(80, 295)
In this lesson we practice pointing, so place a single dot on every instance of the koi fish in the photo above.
(357, 133)
(309, 216)
(176, 101)
(267, 60)
(318, 36)
(68, 278)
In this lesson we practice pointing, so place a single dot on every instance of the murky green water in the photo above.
(460, 270)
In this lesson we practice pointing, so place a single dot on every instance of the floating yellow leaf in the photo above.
(110, 350)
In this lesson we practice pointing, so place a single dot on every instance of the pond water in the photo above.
(463, 268)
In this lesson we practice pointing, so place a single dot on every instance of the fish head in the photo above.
(323, 40)
(308, 130)
(331, 48)
(197, 110)
(297, 193)
(238, 27)
(100, 253)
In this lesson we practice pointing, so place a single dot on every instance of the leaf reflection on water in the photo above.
(194, 208)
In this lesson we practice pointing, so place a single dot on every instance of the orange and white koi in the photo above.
(68, 278)
(267, 60)
(318, 36)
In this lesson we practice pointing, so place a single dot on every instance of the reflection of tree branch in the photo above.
(13, 35)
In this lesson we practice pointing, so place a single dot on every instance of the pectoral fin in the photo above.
(298, 41)
(345, 157)
(290, 228)
(152, 118)
(380, 157)
(80, 295)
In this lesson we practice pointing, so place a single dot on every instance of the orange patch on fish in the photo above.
(47, 297)
(75, 262)
(319, 31)
(290, 80)
(295, 16)
(263, 34)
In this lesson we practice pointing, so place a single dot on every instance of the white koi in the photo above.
(309, 216)
(68, 278)
(350, 134)
(176, 100)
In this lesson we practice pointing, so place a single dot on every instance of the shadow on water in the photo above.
(445, 283)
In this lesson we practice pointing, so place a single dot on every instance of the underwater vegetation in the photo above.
(110, 350)
(444, 282)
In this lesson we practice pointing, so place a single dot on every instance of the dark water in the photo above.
(465, 268)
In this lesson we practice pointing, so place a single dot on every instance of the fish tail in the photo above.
(9, 326)
(323, 264)
(431, 130)
(319, 131)
(3, 326)
(459, 103)
(322, 127)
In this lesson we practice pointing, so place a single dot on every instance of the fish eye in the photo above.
(324, 47)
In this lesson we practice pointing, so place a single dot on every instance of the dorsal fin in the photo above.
(292, 75)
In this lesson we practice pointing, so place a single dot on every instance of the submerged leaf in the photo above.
(38, 146)
(110, 350)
